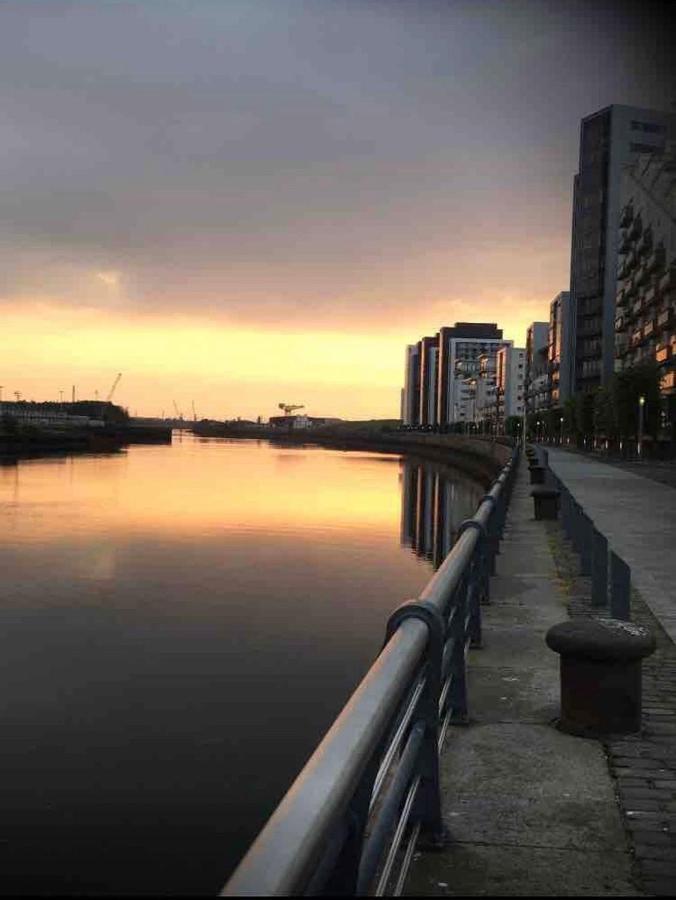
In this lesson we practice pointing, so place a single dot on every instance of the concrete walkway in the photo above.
(530, 810)
(638, 516)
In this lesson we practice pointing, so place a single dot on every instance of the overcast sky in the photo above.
(368, 167)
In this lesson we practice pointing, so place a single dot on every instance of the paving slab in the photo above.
(529, 810)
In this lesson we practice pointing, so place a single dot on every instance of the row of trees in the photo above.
(609, 413)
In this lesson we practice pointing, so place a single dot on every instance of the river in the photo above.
(179, 626)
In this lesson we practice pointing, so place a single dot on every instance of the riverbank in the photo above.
(481, 459)
(34, 442)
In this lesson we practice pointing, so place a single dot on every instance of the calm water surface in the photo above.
(179, 626)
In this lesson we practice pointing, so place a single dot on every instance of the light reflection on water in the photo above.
(179, 626)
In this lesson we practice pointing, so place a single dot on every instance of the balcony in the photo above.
(645, 245)
(636, 229)
(630, 262)
(621, 344)
(637, 307)
(667, 282)
(668, 383)
(626, 216)
(650, 296)
(665, 318)
(636, 338)
(624, 244)
(663, 353)
(619, 323)
(648, 329)
(657, 259)
(642, 275)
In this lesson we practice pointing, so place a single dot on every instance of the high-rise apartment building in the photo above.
(560, 349)
(436, 387)
(609, 140)
(646, 297)
(411, 401)
(536, 382)
(510, 370)
(429, 379)
(459, 350)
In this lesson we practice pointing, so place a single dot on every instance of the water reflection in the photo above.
(434, 502)
(178, 627)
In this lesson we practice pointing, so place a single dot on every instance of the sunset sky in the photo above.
(242, 202)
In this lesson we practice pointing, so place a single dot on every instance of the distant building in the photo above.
(645, 326)
(536, 381)
(429, 379)
(460, 345)
(411, 403)
(560, 349)
(300, 422)
(54, 415)
(609, 140)
(509, 382)
(485, 409)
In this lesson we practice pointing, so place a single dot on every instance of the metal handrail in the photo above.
(384, 744)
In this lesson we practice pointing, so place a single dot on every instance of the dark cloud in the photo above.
(276, 159)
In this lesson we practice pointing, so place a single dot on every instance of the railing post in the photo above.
(427, 807)
(599, 592)
(586, 540)
(620, 588)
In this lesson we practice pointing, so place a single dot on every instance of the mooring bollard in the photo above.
(600, 674)
(545, 501)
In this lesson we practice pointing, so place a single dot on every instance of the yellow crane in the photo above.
(290, 407)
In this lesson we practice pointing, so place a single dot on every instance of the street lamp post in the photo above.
(639, 443)
(560, 431)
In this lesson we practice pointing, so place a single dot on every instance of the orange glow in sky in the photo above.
(227, 371)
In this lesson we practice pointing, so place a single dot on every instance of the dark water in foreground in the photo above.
(178, 627)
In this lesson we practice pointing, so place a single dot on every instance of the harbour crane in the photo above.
(194, 414)
(112, 390)
(290, 407)
(179, 414)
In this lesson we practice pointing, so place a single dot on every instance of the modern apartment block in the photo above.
(510, 372)
(536, 382)
(429, 379)
(645, 326)
(459, 350)
(437, 370)
(560, 349)
(411, 392)
(609, 140)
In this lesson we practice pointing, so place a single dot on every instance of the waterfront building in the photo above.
(429, 379)
(411, 404)
(609, 140)
(645, 325)
(485, 409)
(536, 381)
(439, 373)
(510, 364)
(560, 349)
(463, 343)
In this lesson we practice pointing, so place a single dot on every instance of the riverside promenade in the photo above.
(529, 810)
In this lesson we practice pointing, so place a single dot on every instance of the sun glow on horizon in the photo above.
(227, 370)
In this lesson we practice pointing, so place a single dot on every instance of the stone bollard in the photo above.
(537, 474)
(600, 674)
(545, 501)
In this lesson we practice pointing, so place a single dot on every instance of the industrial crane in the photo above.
(179, 414)
(290, 407)
(112, 390)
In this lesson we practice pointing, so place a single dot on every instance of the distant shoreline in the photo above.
(473, 456)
